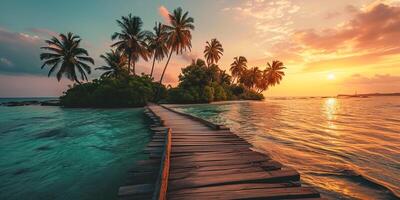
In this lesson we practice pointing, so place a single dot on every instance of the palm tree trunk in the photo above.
(133, 68)
(165, 68)
(129, 64)
(152, 67)
(234, 79)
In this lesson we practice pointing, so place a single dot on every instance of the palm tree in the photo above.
(157, 44)
(179, 34)
(213, 51)
(274, 72)
(116, 62)
(67, 57)
(225, 78)
(263, 83)
(238, 66)
(251, 77)
(131, 40)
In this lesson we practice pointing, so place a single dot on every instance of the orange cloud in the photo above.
(164, 13)
(369, 38)
(376, 79)
(376, 29)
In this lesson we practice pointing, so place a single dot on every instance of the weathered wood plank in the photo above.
(234, 187)
(266, 166)
(135, 189)
(219, 157)
(177, 164)
(255, 177)
(210, 148)
(262, 193)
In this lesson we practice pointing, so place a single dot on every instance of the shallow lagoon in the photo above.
(57, 153)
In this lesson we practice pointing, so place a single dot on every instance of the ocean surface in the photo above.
(58, 153)
(346, 148)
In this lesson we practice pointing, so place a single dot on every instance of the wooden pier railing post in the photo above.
(160, 190)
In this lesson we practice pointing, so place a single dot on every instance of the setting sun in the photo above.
(331, 76)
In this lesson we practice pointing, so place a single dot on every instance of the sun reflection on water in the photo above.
(330, 108)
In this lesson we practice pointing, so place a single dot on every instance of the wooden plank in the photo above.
(218, 157)
(135, 189)
(262, 193)
(181, 149)
(195, 143)
(256, 177)
(177, 164)
(234, 187)
(268, 165)
(205, 174)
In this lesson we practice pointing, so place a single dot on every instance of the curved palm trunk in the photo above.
(234, 79)
(133, 68)
(152, 67)
(165, 68)
(129, 64)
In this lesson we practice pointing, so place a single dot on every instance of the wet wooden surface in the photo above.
(208, 161)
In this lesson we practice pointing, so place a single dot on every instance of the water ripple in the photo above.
(348, 148)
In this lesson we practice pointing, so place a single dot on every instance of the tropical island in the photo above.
(203, 81)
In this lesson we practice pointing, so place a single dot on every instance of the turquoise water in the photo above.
(4, 100)
(346, 148)
(57, 153)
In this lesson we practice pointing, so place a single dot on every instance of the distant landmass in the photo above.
(368, 95)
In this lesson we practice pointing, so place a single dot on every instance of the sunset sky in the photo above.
(337, 46)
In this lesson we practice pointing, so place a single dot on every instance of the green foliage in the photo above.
(199, 83)
(129, 91)
(219, 92)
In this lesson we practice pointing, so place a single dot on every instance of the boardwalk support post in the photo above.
(160, 191)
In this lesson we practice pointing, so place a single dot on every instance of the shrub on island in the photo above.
(111, 92)
(199, 83)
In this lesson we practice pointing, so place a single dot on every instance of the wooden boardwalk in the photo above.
(190, 158)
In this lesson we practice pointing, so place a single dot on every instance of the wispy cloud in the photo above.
(22, 49)
(376, 79)
(42, 32)
(369, 35)
(272, 18)
(164, 13)
(189, 56)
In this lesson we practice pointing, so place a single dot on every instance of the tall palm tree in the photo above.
(131, 40)
(116, 62)
(179, 34)
(67, 57)
(274, 72)
(238, 66)
(250, 77)
(213, 51)
(157, 44)
(263, 83)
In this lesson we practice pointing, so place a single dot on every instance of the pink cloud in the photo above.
(378, 28)
(376, 79)
(163, 11)
(189, 56)
(43, 32)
